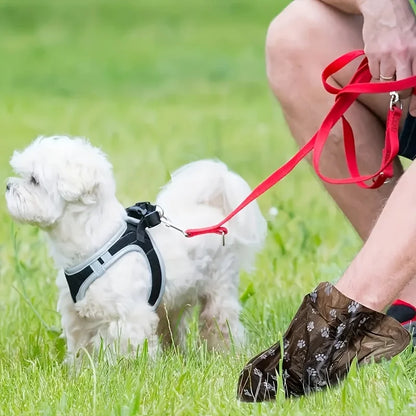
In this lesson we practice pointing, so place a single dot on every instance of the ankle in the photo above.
(364, 297)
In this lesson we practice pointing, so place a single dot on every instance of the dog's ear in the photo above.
(85, 175)
(79, 184)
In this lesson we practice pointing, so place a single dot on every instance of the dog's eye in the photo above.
(33, 180)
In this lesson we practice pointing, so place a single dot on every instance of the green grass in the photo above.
(157, 84)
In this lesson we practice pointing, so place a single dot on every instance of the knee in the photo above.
(291, 43)
(285, 44)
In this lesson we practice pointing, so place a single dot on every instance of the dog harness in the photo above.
(132, 236)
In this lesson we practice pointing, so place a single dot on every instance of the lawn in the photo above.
(157, 84)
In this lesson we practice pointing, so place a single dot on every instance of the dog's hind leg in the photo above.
(173, 325)
(219, 318)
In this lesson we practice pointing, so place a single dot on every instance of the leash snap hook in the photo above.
(222, 232)
(382, 175)
(395, 100)
(168, 224)
(387, 178)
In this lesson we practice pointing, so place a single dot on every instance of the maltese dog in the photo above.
(127, 277)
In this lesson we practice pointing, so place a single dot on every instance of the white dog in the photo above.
(66, 187)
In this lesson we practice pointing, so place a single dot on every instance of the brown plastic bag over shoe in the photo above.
(328, 331)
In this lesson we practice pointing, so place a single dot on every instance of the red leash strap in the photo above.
(344, 98)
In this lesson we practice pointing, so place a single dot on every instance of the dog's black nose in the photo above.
(8, 186)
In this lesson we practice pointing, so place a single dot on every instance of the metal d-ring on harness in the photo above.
(131, 237)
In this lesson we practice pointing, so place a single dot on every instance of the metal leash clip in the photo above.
(223, 238)
(167, 223)
(164, 220)
(395, 100)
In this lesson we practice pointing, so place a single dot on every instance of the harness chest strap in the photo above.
(131, 237)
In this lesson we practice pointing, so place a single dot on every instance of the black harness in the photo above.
(131, 237)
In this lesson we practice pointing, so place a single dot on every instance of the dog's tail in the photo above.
(248, 228)
(209, 183)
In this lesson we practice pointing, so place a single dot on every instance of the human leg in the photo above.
(336, 324)
(333, 324)
(295, 60)
(386, 264)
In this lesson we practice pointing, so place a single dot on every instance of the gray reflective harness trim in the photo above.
(132, 236)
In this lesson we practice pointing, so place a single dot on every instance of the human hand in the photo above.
(389, 34)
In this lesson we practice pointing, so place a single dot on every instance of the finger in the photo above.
(387, 71)
(404, 71)
(387, 67)
(374, 66)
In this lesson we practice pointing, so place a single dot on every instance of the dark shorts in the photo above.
(407, 139)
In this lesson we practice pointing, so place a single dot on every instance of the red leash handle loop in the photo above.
(340, 63)
(359, 84)
(344, 98)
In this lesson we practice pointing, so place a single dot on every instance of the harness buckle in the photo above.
(152, 219)
(146, 212)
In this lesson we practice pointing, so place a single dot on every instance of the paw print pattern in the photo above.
(301, 343)
(286, 356)
(328, 289)
(339, 344)
(325, 332)
(258, 373)
(248, 393)
(310, 326)
(269, 386)
(353, 307)
(320, 358)
(340, 328)
(268, 353)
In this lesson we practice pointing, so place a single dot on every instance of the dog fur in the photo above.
(66, 187)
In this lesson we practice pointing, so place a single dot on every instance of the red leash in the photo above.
(344, 98)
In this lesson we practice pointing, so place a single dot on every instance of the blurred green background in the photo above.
(114, 71)
(155, 84)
